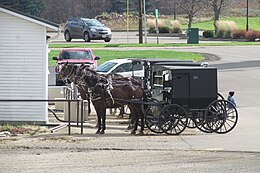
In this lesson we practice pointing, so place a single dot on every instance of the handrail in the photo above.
(46, 100)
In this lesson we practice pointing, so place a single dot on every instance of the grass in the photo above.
(115, 54)
(22, 129)
(253, 22)
(109, 45)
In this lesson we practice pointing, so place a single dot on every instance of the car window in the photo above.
(75, 55)
(92, 22)
(123, 68)
(81, 23)
(105, 67)
(137, 67)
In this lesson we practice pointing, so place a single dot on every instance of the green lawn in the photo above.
(107, 45)
(114, 54)
(253, 22)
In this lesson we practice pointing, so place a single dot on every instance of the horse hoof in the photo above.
(141, 133)
(102, 132)
(129, 127)
(97, 132)
(133, 133)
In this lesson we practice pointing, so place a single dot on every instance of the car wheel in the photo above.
(107, 40)
(86, 37)
(67, 36)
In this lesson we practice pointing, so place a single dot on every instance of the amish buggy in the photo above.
(171, 96)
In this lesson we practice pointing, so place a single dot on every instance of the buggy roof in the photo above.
(183, 67)
(156, 60)
(170, 62)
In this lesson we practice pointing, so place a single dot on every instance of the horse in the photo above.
(108, 92)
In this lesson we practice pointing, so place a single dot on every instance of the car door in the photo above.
(74, 28)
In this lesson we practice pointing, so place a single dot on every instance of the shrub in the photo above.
(225, 29)
(208, 34)
(176, 26)
(164, 29)
(252, 35)
(239, 34)
(151, 24)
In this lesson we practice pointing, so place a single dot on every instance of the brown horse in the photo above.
(111, 92)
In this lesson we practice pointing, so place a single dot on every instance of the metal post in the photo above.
(69, 115)
(82, 119)
(77, 113)
(246, 15)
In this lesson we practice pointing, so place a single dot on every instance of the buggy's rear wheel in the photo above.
(224, 116)
(152, 119)
(174, 119)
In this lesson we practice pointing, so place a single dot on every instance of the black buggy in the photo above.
(180, 94)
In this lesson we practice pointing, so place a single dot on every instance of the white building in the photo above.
(23, 66)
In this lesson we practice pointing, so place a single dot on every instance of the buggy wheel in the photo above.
(201, 122)
(174, 119)
(224, 116)
(191, 124)
(220, 97)
(152, 119)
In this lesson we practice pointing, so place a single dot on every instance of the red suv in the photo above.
(76, 56)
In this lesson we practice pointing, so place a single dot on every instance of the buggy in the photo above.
(181, 94)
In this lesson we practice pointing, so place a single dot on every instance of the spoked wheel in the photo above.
(152, 120)
(224, 116)
(201, 122)
(220, 97)
(191, 124)
(174, 119)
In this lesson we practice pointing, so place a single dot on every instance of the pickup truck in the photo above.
(76, 56)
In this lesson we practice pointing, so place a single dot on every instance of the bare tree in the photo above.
(218, 6)
(192, 8)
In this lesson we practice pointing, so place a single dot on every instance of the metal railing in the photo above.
(69, 109)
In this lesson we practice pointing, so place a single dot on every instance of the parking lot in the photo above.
(118, 151)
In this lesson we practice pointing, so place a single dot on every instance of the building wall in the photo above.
(23, 69)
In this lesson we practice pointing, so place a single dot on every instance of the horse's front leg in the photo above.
(142, 122)
(99, 115)
(136, 119)
(103, 116)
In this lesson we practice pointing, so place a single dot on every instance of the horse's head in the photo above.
(90, 77)
(68, 71)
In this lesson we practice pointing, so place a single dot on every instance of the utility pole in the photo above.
(140, 23)
(145, 28)
(174, 10)
(246, 15)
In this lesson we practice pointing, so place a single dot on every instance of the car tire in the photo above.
(67, 36)
(86, 37)
(107, 40)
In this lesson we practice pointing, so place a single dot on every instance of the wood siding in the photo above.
(23, 66)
